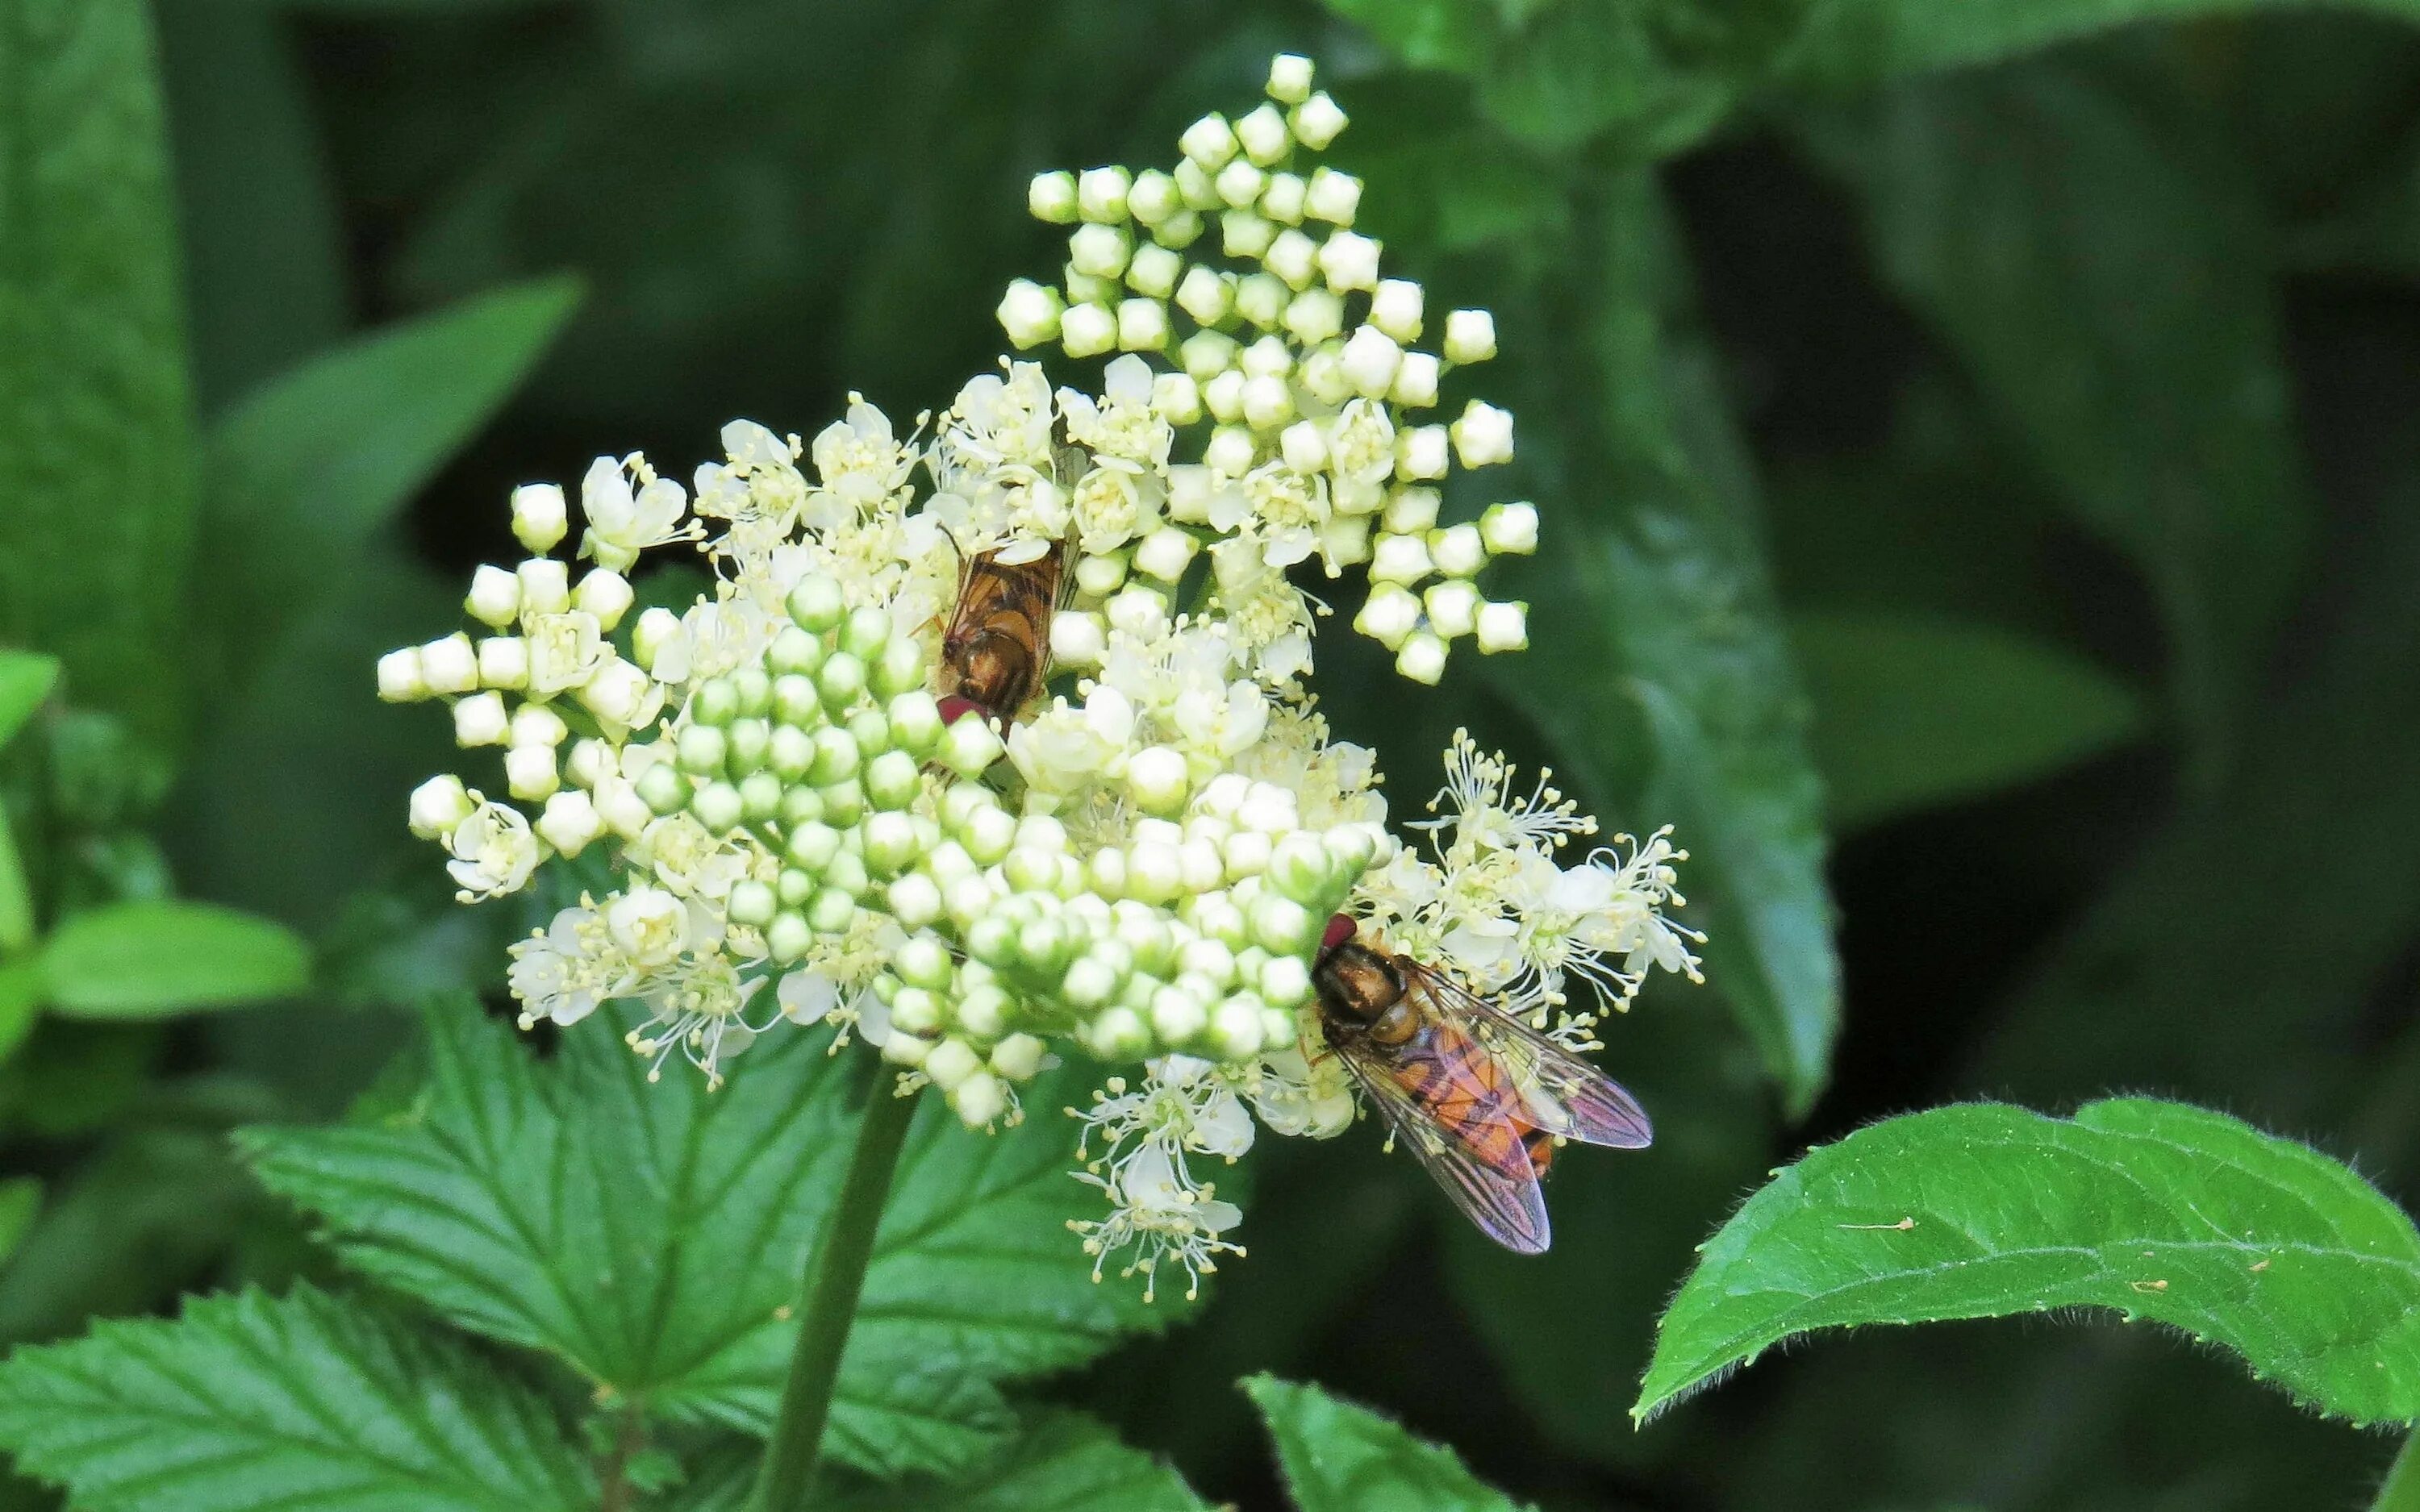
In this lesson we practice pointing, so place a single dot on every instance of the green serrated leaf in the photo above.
(149, 958)
(651, 1234)
(92, 356)
(1340, 1458)
(2088, 248)
(2151, 1210)
(26, 678)
(1913, 710)
(1062, 1462)
(306, 470)
(251, 1401)
(1660, 664)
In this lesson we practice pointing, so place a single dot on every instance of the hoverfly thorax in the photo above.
(1364, 993)
(995, 645)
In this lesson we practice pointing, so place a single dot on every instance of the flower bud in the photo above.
(789, 937)
(1484, 435)
(1099, 250)
(546, 586)
(1370, 360)
(1349, 260)
(438, 805)
(1400, 559)
(832, 911)
(504, 662)
(1158, 777)
(495, 598)
(1421, 658)
(400, 679)
(1453, 608)
(1267, 402)
(1101, 193)
(1314, 315)
(530, 773)
(1420, 452)
(1411, 510)
(892, 781)
(450, 666)
(604, 593)
(1178, 1017)
(1469, 336)
(701, 749)
(718, 805)
(655, 629)
(620, 694)
(1289, 79)
(590, 762)
(1332, 197)
(1283, 199)
(1154, 871)
(1051, 196)
(989, 835)
(905, 1050)
(760, 797)
(1235, 1027)
(1223, 397)
(1510, 529)
(1017, 1057)
(1164, 554)
(1285, 980)
(1260, 298)
(534, 724)
(1293, 257)
(1344, 541)
(1152, 271)
(480, 721)
(1317, 122)
(1503, 627)
(1139, 611)
(1415, 382)
(1208, 296)
(1458, 550)
(1030, 314)
(1209, 142)
(662, 789)
(915, 722)
(969, 747)
(1300, 869)
(1087, 330)
(540, 520)
(841, 680)
(1153, 197)
(950, 1062)
(915, 900)
(979, 1100)
(1282, 926)
(1263, 135)
(1143, 325)
(570, 822)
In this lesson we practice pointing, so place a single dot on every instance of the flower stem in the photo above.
(2402, 1492)
(827, 1302)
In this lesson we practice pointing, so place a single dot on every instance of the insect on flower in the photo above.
(997, 645)
(1480, 1098)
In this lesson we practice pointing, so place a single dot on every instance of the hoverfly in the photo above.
(1480, 1098)
(998, 644)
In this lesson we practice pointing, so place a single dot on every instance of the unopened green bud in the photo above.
(801, 806)
(916, 722)
(1209, 960)
(871, 730)
(1177, 1016)
(717, 806)
(662, 789)
(962, 801)
(795, 701)
(1043, 944)
(1106, 872)
(1117, 1034)
(847, 873)
(835, 757)
(969, 747)
(755, 688)
(866, 631)
(760, 797)
(889, 843)
(988, 835)
(950, 1063)
(752, 903)
(831, 911)
(1277, 1027)
(813, 845)
(795, 886)
(899, 668)
(816, 604)
(892, 779)
(747, 738)
(1090, 982)
(790, 936)
(1299, 868)
(924, 961)
(794, 652)
(1235, 1027)
(979, 1100)
(844, 802)
(1029, 870)
(791, 753)
(716, 702)
(992, 940)
(1018, 1057)
(983, 1011)
(915, 900)
(1285, 981)
(1282, 926)
(701, 749)
(841, 680)
(915, 1011)
(1146, 934)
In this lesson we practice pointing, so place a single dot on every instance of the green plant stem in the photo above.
(827, 1302)
(2402, 1492)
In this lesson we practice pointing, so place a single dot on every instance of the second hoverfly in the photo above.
(1480, 1098)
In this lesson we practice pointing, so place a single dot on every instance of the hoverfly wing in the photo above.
(1460, 1136)
(1562, 1093)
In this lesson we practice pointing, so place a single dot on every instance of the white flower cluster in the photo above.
(1268, 400)
(811, 820)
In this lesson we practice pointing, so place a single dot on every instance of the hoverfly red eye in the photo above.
(1340, 929)
(957, 706)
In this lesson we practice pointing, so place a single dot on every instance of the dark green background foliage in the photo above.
(1980, 445)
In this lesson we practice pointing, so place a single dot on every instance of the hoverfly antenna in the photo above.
(1341, 927)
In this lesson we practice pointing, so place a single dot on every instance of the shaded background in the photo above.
(2029, 446)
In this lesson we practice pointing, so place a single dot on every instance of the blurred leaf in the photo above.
(1061, 1463)
(20, 999)
(306, 470)
(1847, 43)
(20, 1198)
(26, 678)
(264, 253)
(2097, 262)
(1658, 647)
(144, 1216)
(1340, 1458)
(2152, 1209)
(651, 1234)
(1650, 77)
(147, 960)
(1915, 710)
(95, 433)
(15, 896)
(250, 1401)
(75, 1077)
